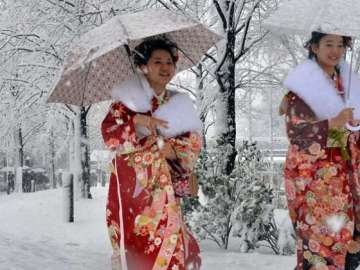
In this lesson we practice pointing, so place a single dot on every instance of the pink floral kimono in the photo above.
(321, 170)
(144, 216)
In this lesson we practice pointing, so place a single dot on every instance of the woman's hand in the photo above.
(339, 121)
(150, 122)
(355, 122)
(353, 126)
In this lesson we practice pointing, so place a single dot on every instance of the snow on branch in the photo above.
(61, 6)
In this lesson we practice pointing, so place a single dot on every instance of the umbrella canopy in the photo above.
(340, 17)
(99, 60)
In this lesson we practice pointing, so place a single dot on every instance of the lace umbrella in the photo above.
(100, 58)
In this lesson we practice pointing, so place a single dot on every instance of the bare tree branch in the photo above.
(87, 109)
(33, 129)
(70, 109)
(252, 44)
(33, 51)
(238, 17)
(60, 6)
(221, 14)
(163, 4)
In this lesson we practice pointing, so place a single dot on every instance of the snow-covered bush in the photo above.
(238, 204)
(287, 239)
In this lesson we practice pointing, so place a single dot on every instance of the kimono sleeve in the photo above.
(118, 128)
(302, 127)
(187, 149)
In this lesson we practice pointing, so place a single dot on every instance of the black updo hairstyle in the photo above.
(143, 51)
(315, 39)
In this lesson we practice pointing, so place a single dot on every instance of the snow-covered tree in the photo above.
(252, 217)
(238, 204)
(34, 40)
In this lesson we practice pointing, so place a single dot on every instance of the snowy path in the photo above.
(25, 254)
(33, 236)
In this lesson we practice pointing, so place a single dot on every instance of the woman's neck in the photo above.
(330, 70)
(158, 89)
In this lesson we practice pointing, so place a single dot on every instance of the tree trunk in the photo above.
(21, 148)
(227, 233)
(20, 161)
(226, 80)
(85, 154)
(200, 100)
(52, 159)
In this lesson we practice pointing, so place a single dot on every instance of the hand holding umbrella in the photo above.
(342, 119)
(150, 122)
(153, 124)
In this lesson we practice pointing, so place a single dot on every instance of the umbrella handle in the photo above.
(160, 142)
(352, 128)
(347, 94)
(348, 103)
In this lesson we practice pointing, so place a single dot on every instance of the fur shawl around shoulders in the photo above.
(135, 93)
(311, 84)
(179, 111)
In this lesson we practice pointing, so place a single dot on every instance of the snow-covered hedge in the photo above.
(239, 204)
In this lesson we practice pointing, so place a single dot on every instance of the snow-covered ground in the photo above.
(34, 236)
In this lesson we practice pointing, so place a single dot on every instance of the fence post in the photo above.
(71, 198)
(33, 185)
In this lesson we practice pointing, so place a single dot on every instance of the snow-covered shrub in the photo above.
(287, 239)
(253, 215)
(239, 203)
(210, 216)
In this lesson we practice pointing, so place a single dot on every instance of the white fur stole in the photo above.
(312, 85)
(179, 111)
(135, 93)
(180, 114)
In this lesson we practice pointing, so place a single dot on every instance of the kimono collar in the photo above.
(135, 93)
(312, 85)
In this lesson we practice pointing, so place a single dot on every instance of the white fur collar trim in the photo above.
(311, 84)
(180, 114)
(135, 93)
(179, 111)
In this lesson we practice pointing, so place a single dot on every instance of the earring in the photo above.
(145, 70)
(142, 70)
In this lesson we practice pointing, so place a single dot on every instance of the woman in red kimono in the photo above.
(321, 170)
(153, 132)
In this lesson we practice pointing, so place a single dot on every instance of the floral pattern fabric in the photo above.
(155, 235)
(321, 189)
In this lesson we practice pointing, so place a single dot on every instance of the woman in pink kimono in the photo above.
(321, 170)
(154, 134)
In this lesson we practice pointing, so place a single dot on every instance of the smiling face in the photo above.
(329, 51)
(160, 69)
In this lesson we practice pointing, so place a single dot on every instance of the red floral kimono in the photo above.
(322, 167)
(319, 180)
(150, 233)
